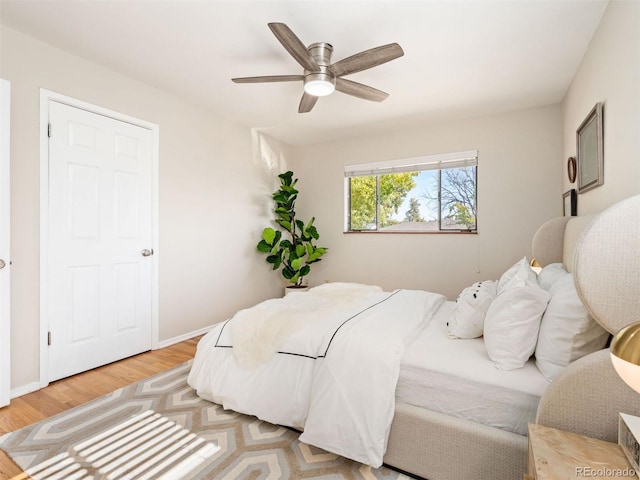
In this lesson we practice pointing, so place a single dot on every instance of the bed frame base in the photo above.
(436, 446)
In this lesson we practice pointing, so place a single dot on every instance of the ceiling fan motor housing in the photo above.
(322, 82)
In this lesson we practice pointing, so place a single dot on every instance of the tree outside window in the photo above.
(426, 200)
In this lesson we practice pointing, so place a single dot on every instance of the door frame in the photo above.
(47, 96)
(5, 239)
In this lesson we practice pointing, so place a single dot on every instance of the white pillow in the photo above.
(467, 319)
(512, 323)
(521, 270)
(550, 274)
(567, 331)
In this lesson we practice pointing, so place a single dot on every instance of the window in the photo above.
(426, 194)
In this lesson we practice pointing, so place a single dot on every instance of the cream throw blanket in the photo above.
(259, 332)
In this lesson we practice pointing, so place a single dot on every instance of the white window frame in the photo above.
(466, 158)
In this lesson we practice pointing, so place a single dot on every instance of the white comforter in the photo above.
(331, 373)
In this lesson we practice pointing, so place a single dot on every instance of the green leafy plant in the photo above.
(294, 254)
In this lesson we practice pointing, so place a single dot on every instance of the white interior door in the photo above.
(5, 280)
(100, 234)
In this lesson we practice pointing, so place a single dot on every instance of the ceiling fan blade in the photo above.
(359, 90)
(294, 46)
(307, 102)
(367, 59)
(269, 78)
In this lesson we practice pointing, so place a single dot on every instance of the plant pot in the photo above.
(295, 288)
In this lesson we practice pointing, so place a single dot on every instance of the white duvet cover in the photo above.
(332, 373)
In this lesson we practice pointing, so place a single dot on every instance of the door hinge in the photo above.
(48, 338)
(49, 130)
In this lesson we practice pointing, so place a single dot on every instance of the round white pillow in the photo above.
(467, 320)
(550, 274)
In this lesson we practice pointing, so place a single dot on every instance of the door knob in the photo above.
(147, 253)
(2, 264)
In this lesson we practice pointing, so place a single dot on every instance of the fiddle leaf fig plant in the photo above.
(296, 251)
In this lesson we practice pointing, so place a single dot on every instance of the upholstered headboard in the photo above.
(607, 265)
(555, 241)
(603, 252)
(587, 397)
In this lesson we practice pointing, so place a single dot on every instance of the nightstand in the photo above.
(558, 455)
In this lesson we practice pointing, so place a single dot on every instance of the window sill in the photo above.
(409, 232)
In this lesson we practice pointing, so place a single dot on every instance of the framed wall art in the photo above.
(570, 203)
(590, 150)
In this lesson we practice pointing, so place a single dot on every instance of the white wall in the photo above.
(519, 187)
(609, 73)
(214, 189)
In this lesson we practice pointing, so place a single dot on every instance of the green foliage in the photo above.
(363, 203)
(292, 255)
(413, 214)
(393, 190)
(462, 215)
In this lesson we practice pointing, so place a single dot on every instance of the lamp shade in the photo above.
(625, 355)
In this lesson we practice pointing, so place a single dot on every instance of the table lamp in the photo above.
(625, 355)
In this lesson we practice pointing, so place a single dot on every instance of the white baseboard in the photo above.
(24, 389)
(182, 338)
(33, 386)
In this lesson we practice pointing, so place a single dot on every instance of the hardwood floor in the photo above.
(78, 389)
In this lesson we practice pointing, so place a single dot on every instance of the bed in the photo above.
(412, 397)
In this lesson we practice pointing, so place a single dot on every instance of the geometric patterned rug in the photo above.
(159, 428)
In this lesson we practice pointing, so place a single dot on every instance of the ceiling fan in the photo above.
(320, 76)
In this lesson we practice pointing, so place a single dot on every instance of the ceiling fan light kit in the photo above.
(319, 84)
(321, 77)
(322, 82)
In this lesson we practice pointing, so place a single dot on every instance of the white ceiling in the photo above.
(462, 58)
